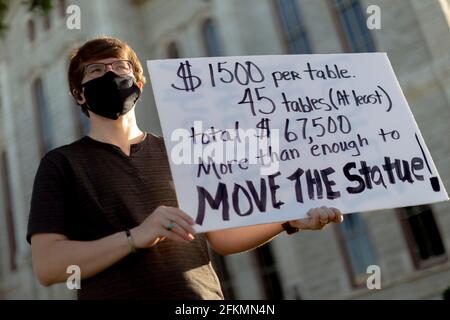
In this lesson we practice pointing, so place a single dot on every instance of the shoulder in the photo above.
(159, 140)
(61, 154)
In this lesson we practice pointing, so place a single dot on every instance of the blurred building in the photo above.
(410, 245)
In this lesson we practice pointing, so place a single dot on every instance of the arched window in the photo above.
(47, 21)
(9, 217)
(42, 116)
(352, 23)
(172, 51)
(211, 38)
(62, 6)
(31, 28)
(358, 249)
(423, 236)
(295, 33)
(268, 272)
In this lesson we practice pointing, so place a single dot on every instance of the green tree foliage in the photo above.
(42, 6)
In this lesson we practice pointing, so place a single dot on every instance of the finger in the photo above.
(159, 239)
(174, 229)
(339, 218)
(315, 219)
(181, 222)
(313, 213)
(172, 236)
(181, 214)
(182, 233)
(324, 213)
(178, 216)
(179, 230)
(335, 210)
(338, 215)
(331, 215)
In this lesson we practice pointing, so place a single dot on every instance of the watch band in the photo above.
(130, 240)
(289, 229)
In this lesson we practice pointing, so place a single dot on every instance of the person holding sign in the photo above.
(106, 202)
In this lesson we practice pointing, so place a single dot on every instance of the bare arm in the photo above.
(241, 239)
(52, 253)
(235, 240)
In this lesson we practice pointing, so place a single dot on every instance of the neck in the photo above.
(122, 132)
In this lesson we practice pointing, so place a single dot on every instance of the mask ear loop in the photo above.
(84, 105)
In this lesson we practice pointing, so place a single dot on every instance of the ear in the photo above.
(140, 85)
(79, 98)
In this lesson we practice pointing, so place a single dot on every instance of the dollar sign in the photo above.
(184, 72)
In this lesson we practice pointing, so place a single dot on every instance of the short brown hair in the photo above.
(97, 49)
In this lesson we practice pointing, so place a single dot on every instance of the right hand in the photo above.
(318, 218)
(154, 228)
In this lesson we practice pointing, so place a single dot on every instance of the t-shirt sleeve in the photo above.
(48, 209)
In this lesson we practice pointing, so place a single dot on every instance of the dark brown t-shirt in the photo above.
(90, 189)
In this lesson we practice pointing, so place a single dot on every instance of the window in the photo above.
(42, 116)
(31, 30)
(172, 51)
(220, 265)
(8, 211)
(211, 39)
(47, 21)
(62, 8)
(422, 235)
(293, 28)
(357, 247)
(268, 272)
(352, 24)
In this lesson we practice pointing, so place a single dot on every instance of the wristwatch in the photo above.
(289, 229)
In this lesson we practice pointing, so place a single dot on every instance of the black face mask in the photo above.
(111, 95)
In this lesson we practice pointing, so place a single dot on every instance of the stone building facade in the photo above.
(410, 245)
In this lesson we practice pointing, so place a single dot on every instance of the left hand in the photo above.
(318, 218)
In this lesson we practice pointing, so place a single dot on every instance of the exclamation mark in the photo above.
(433, 180)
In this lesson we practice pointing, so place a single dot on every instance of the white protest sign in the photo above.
(258, 139)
